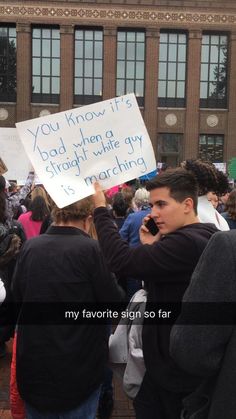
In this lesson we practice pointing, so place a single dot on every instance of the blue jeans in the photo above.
(87, 410)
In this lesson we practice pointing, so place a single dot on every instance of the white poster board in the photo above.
(105, 141)
(14, 156)
(220, 166)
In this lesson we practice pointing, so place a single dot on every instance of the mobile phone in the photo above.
(152, 227)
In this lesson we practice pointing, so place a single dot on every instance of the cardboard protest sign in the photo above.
(106, 142)
(13, 154)
(3, 167)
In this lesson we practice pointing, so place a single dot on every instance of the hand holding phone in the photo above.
(152, 227)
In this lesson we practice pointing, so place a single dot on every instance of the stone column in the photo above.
(109, 62)
(23, 72)
(67, 67)
(192, 95)
(151, 83)
(230, 143)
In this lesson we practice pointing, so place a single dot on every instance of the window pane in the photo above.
(203, 90)
(121, 51)
(36, 85)
(55, 85)
(88, 69)
(162, 89)
(182, 53)
(171, 88)
(130, 51)
(36, 33)
(79, 49)
(56, 48)
(212, 88)
(173, 38)
(162, 71)
(98, 35)
(97, 68)
(36, 47)
(163, 38)
(215, 39)
(55, 34)
(121, 36)
(131, 36)
(213, 72)
(180, 89)
(98, 87)
(163, 52)
(204, 72)
(205, 54)
(120, 69)
(182, 39)
(181, 71)
(98, 50)
(172, 71)
(139, 70)
(45, 85)
(130, 69)
(88, 50)
(129, 86)
(46, 33)
(46, 48)
(88, 87)
(140, 36)
(172, 52)
(36, 66)
(214, 54)
(78, 86)
(56, 67)
(78, 68)
(120, 87)
(88, 35)
(46, 69)
(139, 88)
(140, 51)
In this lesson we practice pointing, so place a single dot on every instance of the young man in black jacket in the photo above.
(165, 263)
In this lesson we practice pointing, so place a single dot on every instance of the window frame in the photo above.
(8, 96)
(127, 60)
(49, 97)
(83, 98)
(175, 101)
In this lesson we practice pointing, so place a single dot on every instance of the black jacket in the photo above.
(59, 366)
(165, 267)
(208, 349)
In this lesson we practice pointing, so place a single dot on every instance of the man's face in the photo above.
(168, 213)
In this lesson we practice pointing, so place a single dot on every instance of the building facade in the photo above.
(178, 57)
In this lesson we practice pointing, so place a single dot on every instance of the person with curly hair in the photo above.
(230, 210)
(209, 179)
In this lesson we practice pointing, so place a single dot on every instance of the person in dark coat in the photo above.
(165, 263)
(60, 367)
(203, 340)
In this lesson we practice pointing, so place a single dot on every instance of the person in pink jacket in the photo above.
(32, 220)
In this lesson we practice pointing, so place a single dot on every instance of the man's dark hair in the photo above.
(2, 183)
(181, 183)
(209, 178)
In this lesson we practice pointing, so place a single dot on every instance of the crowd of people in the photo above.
(100, 252)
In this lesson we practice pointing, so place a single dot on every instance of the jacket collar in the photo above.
(62, 230)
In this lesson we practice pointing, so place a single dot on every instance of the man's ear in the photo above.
(188, 205)
(87, 222)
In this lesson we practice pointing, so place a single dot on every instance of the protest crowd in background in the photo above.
(98, 250)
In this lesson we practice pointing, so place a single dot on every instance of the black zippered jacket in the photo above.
(58, 366)
(166, 268)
